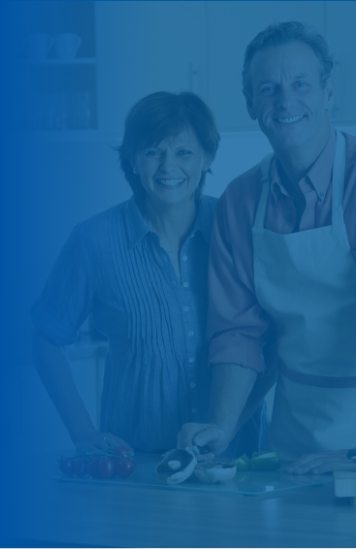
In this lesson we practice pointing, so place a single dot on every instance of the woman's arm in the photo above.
(54, 370)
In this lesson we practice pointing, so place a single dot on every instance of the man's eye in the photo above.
(266, 90)
(301, 85)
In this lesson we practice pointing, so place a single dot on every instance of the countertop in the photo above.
(45, 510)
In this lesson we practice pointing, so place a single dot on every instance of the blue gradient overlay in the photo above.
(48, 184)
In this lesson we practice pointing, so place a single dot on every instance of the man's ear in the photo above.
(329, 94)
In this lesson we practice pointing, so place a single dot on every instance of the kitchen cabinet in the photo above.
(130, 49)
(199, 46)
(56, 66)
(143, 47)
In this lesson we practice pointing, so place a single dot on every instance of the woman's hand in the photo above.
(96, 440)
(318, 464)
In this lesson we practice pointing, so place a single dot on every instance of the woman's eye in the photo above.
(185, 152)
(151, 153)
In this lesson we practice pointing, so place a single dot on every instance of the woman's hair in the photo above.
(283, 33)
(160, 115)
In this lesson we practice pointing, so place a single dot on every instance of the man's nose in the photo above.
(283, 96)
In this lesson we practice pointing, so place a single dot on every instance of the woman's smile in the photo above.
(170, 182)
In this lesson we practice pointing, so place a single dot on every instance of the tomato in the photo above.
(75, 466)
(124, 466)
(99, 466)
(79, 466)
(105, 467)
(91, 465)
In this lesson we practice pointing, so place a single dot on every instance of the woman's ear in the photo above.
(133, 167)
(207, 163)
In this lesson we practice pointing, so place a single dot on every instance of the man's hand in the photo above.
(318, 464)
(203, 435)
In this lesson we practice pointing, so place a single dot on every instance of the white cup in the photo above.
(66, 45)
(39, 45)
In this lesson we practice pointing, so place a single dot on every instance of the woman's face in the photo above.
(171, 171)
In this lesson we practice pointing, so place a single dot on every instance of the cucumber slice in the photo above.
(267, 461)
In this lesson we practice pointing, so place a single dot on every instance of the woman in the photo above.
(139, 269)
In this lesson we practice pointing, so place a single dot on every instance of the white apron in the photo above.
(306, 281)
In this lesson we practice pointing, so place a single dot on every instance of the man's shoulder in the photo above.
(246, 184)
(208, 203)
(238, 204)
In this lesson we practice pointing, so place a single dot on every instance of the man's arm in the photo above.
(237, 325)
(264, 383)
(231, 387)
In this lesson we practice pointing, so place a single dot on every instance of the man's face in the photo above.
(288, 97)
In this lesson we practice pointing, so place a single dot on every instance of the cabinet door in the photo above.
(230, 27)
(340, 19)
(143, 47)
(55, 65)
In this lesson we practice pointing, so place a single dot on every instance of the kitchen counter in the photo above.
(131, 513)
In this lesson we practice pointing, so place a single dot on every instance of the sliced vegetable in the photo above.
(265, 462)
(242, 463)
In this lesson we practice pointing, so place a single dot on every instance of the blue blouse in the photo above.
(113, 268)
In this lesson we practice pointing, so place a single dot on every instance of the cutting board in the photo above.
(249, 483)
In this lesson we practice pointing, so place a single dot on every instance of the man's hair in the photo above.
(160, 115)
(283, 33)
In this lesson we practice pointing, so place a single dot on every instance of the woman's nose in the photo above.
(167, 161)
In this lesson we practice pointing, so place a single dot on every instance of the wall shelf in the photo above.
(57, 66)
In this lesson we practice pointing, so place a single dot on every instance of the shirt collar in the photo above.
(319, 175)
(138, 227)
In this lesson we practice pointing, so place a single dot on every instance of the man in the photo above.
(283, 264)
